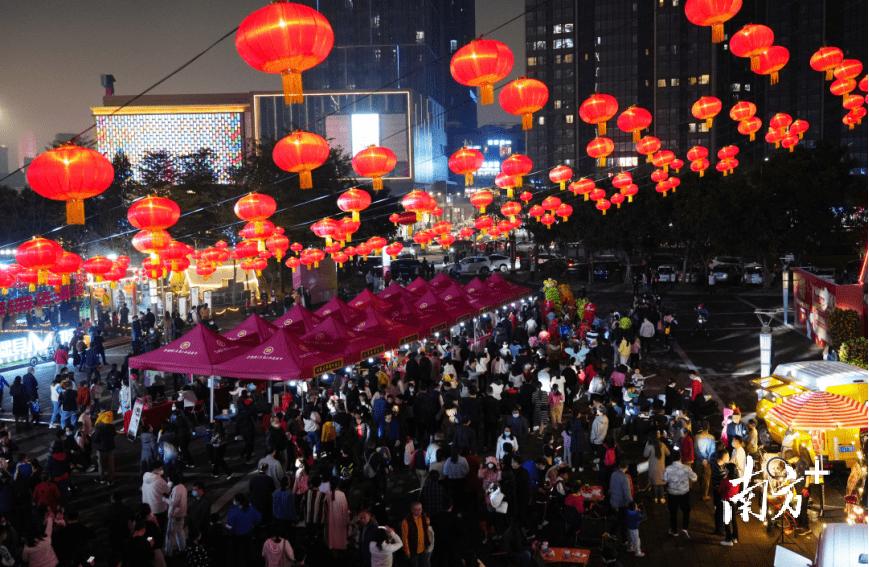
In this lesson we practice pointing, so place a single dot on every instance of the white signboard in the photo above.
(136, 418)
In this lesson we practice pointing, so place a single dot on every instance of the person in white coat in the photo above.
(154, 491)
(599, 428)
(384, 543)
(504, 439)
(177, 500)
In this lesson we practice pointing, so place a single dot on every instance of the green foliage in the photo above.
(844, 326)
(854, 352)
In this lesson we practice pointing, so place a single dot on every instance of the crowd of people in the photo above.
(466, 450)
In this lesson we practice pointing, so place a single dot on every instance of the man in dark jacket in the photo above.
(244, 427)
(198, 508)
(29, 382)
(137, 333)
(90, 362)
(412, 369)
(491, 415)
(103, 440)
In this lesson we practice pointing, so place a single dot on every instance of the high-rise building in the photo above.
(647, 53)
(4, 160)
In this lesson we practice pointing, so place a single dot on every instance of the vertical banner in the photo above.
(206, 298)
(320, 282)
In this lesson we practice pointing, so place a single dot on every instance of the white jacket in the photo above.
(154, 488)
(497, 501)
(177, 501)
(599, 428)
(499, 445)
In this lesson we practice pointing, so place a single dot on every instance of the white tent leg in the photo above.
(211, 406)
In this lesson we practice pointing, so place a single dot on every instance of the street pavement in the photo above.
(727, 359)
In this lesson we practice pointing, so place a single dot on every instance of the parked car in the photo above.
(405, 268)
(501, 263)
(609, 272)
(476, 265)
(694, 274)
(727, 269)
(370, 263)
(543, 258)
(667, 273)
(752, 274)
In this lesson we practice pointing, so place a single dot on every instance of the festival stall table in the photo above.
(297, 320)
(253, 326)
(566, 555)
(592, 492)
(154, 416)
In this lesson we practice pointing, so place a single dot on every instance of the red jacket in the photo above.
(686, 447)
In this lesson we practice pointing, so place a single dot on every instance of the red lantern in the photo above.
(68, 263)
(630, 191)
(773, 60)
(597, 194)
(363, 250)
(480, 199)
(466, 232)
(419, 202)
(523, 97)
(393, 218)
(659, 175)
(699, 166)
(153, 213)
(326, 228)
(662, 187)
(582, 187)
(505, 226)
(600, 148)
(842, 87)
(482, 63)
(790, 141)
(483, 223)
(726, 165)
(728, 152)
(465, 162)
(548, 220)
(70, 173)
(712, 13)
(422, 238)
(255, 207)
(752, 41)
(848, 69)
(551, 203)
(799, 127)
(332, 249)
(374, 162)
(622, 180)
(663, 159)
(749, 127)
(376, 243)
(151, 242)
(773, 137)
(526, 196)
(826, 59)
(442, 227)
(293, 262)
(205, 269)
(647, 146)
(597, 109)
(516, 166)
(511, 209)
(350, 251)
(437, 212)
(602, 205)
(634, 119)
(536, 212)
(864, 83)
(674, 182)
(561, 174)
(278, 244)
(446, 240)
(618, 199)
(346, 228)
(97, 266)
(564, 210)
(407, 218)
(504, 181)
(697, 152)
(300, 152)
(394, 249)
(852, 101)
(39, 254)
(317, 255)
(29, 276)
(854, 116)
(353, 201)
(494, 232)
(706, 109)
(742, 110)
(677, 164)
(296, 247)
(340, 258)
(172, 255)
(258, 231)
(246, 249)
(780, 122)
(285, 38)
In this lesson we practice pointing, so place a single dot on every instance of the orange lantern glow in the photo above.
(597, 109)
(699, 166)
(374, 162)
(618, 199)
(663, 159)
(752, 41)
(376, 243)
(278, 244)
(466, 232)
(582, 187)
(285, 38)
(560, 174)
(677, 164)
(864, 83)
(419, 202)
(742, 110)
(854, 116)
(480, 199)
(326, 228)
(442, 227)
(516, 166)
(728, 152)
(848, 69)
(465, 162)
(69, 263)
(630, 191)
(634, 119)
(773, 137)
(504, 181)
(153, 213)
(780, 122)
(772, 61)
(603, 205)
(842, 87)
(551, 203)
(301, 152)
(526, 196)
(622, 180)
(536, 212)
(799, 127)
(597, 194)
(600, 148)
(706, 108)
(674, 182)
(647, 146)
(483, 223)
(70, 173)
(422, 238)
(790, 141)
(826, 59)
(726, 165)
(697, 152)
(293, 262)
(255, 207)
(482, 63)
(749, 127)
(564, 210)
(659, 175)
(548, 220)
(523, 97)
(852, 101)
(353, 201)
(40, 255)
(712, 13)
(97, 266)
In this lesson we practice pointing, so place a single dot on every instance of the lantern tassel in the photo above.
(648, 158)
(773, 78)
(292, 83)
(791, 149)
(604, 212)
(75, 211)
(800, 135)
(305, 181)
(850, 127)
(755, 63)
(548, 226)
(777, 144)
(527, 121)
(469, 179)
(602, 162)
(709, 123)
(829, 74)
(482, 210)
(601, 129)
(355, 217)
(717, 33)
(701, 173)
(673, 189)
(751, 137)
(586, 196)
(509, 192)
(563, 185)
(32, 287)
(630, 198)
(618, 206)
(377, 183)
(487, 94)
(666, 168)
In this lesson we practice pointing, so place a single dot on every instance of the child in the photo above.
(635, 354)
(635, 516)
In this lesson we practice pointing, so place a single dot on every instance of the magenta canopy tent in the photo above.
(420, 286)
(297, 320)
(441, 281)
(197, 352)
(434, 313)
(333, 336)
(367, 298)
(335, 306)
(513, 291)
(253, 326)
(283, 357)
(403, 311)
(376, 324)
(481, 296)
(454, 296)
(394, 291)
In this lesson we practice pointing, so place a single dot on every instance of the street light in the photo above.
(765, 316)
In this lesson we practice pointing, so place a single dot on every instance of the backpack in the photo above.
(368, 470)
(609, 459)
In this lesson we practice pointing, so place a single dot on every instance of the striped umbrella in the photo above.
(821, 411)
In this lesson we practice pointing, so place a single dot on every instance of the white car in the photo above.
(753, 274)
(485, 264)
(667, 273)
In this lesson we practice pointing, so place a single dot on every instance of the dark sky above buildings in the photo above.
(54, 51)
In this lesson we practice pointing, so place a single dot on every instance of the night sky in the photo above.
(54, 52)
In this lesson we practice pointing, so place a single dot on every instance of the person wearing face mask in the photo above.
(198, 509)
(506, 438)
(518, 425)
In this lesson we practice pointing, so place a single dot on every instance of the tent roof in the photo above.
(517, 292)
(455, 297)
(377, 324)
(336, 306)
(420, 286)
(282, 357)
(479, 295)
(197, 352)
(395, 291)
(297, 320)
(333, 336)
(436, 314)
(402, 311)
(253, 326)
(367, 297)
(441, 281)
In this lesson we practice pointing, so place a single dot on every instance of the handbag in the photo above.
(34, 408)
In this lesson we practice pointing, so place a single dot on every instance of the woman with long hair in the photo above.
(20, 400)
(383, 544)
(337, 517)
(219, 442)
(656, 452)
